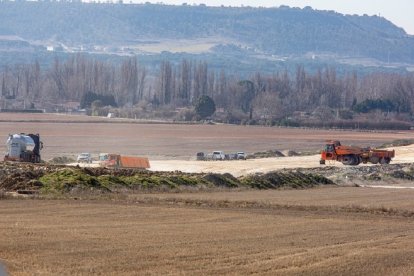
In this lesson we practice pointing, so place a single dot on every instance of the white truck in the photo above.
(23, 148)
(218, 155)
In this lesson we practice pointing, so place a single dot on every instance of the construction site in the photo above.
(84, 195)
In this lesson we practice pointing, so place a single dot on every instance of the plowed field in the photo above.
(70, 135)
(319, 233)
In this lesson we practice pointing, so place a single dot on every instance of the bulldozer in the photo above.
(23, 148)
(352, 155)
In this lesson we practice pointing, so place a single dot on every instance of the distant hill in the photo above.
(271, 34)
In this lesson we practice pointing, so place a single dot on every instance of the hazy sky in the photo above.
(400, 12)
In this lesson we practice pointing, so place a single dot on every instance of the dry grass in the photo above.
(180, 236)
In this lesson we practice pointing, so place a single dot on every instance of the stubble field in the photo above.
(321, 231)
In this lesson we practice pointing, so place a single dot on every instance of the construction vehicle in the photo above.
(23, 148)
(117, 161)
(351, 155)
(84, 157)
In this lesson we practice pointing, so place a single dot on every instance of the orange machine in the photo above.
(350, 155)
(111, 160)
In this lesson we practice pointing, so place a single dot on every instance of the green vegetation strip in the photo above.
(48, 179)
(68, 179)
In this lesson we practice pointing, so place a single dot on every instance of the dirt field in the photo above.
(243, 167)
(70, 135)
(131, 237)
(321, 231)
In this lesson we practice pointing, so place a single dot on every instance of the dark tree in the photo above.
(89, 97)
(205, 106)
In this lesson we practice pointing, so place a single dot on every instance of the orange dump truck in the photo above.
(350, 155)
(111, 160)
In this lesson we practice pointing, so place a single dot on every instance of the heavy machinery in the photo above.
(23, 148)
(351, 155)
(117, 161)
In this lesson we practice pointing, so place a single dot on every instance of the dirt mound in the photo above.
(62, 160)
(59, 179)
(46, 178)
(292, 153)
(391, 173)
(291, 179)
(20, 177)
(224, 180)
(266, 154)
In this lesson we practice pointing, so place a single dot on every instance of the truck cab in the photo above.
(108, 160)
(348, 155)
(329, 153)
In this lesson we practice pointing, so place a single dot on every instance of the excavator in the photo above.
(351, 155)
(23, 148)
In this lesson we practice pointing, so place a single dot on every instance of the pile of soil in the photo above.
(292, 153)
(266, 154)
(386, 173)
(60, 179)
(46, 178)
(62, 160)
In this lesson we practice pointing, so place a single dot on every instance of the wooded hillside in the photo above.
(279, 31)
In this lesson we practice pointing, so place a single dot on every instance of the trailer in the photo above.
(117, 161)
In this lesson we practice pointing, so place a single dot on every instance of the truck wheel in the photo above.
(385, 160)
(374, 159)
(350, 160)
(355, 160)
(322, 162)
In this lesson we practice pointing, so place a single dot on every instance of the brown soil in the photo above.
(129, 237)
(322, 231)
(70, 135)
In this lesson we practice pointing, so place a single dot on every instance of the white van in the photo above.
(218, 155)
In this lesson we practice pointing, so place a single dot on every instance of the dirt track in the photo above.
(243, 167)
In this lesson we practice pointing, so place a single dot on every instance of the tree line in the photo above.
(272, 96)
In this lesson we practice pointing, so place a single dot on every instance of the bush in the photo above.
(89, 97)
(383, 105)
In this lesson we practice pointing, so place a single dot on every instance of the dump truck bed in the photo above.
(382, 153)
(134, 162)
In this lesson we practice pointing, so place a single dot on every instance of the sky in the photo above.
(400, 12)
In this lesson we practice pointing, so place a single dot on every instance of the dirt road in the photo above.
(238, 168)
(243, 167)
